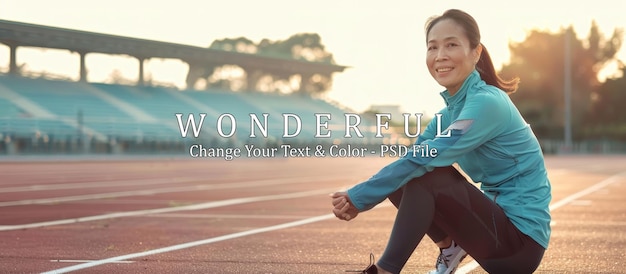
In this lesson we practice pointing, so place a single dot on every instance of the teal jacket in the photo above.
(492, 144)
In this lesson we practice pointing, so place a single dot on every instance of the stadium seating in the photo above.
(31, 108)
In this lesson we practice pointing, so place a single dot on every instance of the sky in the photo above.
(383, 44)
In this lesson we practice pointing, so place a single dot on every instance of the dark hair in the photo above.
(485, 65)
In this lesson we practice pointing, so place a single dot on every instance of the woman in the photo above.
(506, 227)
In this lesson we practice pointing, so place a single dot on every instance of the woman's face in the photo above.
(449, 57)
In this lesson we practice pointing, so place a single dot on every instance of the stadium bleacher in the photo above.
(111, 117)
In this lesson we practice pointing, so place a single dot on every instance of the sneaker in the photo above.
(371, 269)
(449, 259)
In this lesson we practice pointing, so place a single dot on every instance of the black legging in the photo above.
(443, 203)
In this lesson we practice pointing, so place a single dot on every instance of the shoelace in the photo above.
(364, 271)
(442, 259)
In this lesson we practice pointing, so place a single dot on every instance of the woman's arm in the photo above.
(483, 117)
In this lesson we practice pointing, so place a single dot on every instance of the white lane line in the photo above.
(87, 261)
(589, 190)
(200, 206)
(191, 244)
(581, 203)
(223, 216)
(604, 183)
(98, 184)
(129, 193)
(128, 182)
(200, 242)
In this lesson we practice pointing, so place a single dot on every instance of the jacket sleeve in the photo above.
(483, 117)
(431, 129)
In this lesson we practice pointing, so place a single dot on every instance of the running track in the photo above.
(259, 216)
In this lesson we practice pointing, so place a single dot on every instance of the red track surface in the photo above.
(239, 203)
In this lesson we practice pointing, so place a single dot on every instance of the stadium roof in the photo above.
(16, 34)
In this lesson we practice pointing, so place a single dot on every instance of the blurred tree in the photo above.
(539, 62)
(240, 44)
(303, 46)
(116, 77)
(207, 72)
(316, 83)
(609, 115)
(197, 71)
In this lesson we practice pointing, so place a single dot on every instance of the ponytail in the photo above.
(488, 74)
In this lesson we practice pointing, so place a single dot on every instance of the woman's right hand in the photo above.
(343, 208)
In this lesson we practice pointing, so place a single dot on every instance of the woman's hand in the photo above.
(344, 210)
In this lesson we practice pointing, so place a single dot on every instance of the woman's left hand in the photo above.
(344, 210)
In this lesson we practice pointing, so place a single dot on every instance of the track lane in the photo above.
(320, 247)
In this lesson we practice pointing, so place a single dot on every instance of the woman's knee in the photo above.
(430, 184)
(438, 177)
